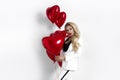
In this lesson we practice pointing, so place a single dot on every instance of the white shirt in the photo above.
(70, 62)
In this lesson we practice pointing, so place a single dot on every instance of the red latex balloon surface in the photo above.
(54, 43)
(53, 12)
(51, 56)
(60, 19)
(55, 16)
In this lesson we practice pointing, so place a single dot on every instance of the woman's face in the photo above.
(69, 30)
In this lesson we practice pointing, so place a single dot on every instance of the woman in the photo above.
(69, 53)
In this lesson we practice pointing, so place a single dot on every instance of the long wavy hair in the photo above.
(74, 39)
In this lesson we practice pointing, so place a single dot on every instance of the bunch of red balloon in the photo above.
(54, 43)
(55, 16)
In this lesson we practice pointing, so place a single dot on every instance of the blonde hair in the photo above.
(74, 39)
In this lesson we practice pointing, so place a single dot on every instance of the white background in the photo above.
(23, 23)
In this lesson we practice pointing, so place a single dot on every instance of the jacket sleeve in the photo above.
(73, 54)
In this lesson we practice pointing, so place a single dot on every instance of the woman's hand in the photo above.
(60, 58)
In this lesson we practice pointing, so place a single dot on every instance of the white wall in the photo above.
(23, 23)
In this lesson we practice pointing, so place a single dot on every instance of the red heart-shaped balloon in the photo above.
(61, 19)
(53, 12)
(54, 44)
(55, 16)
